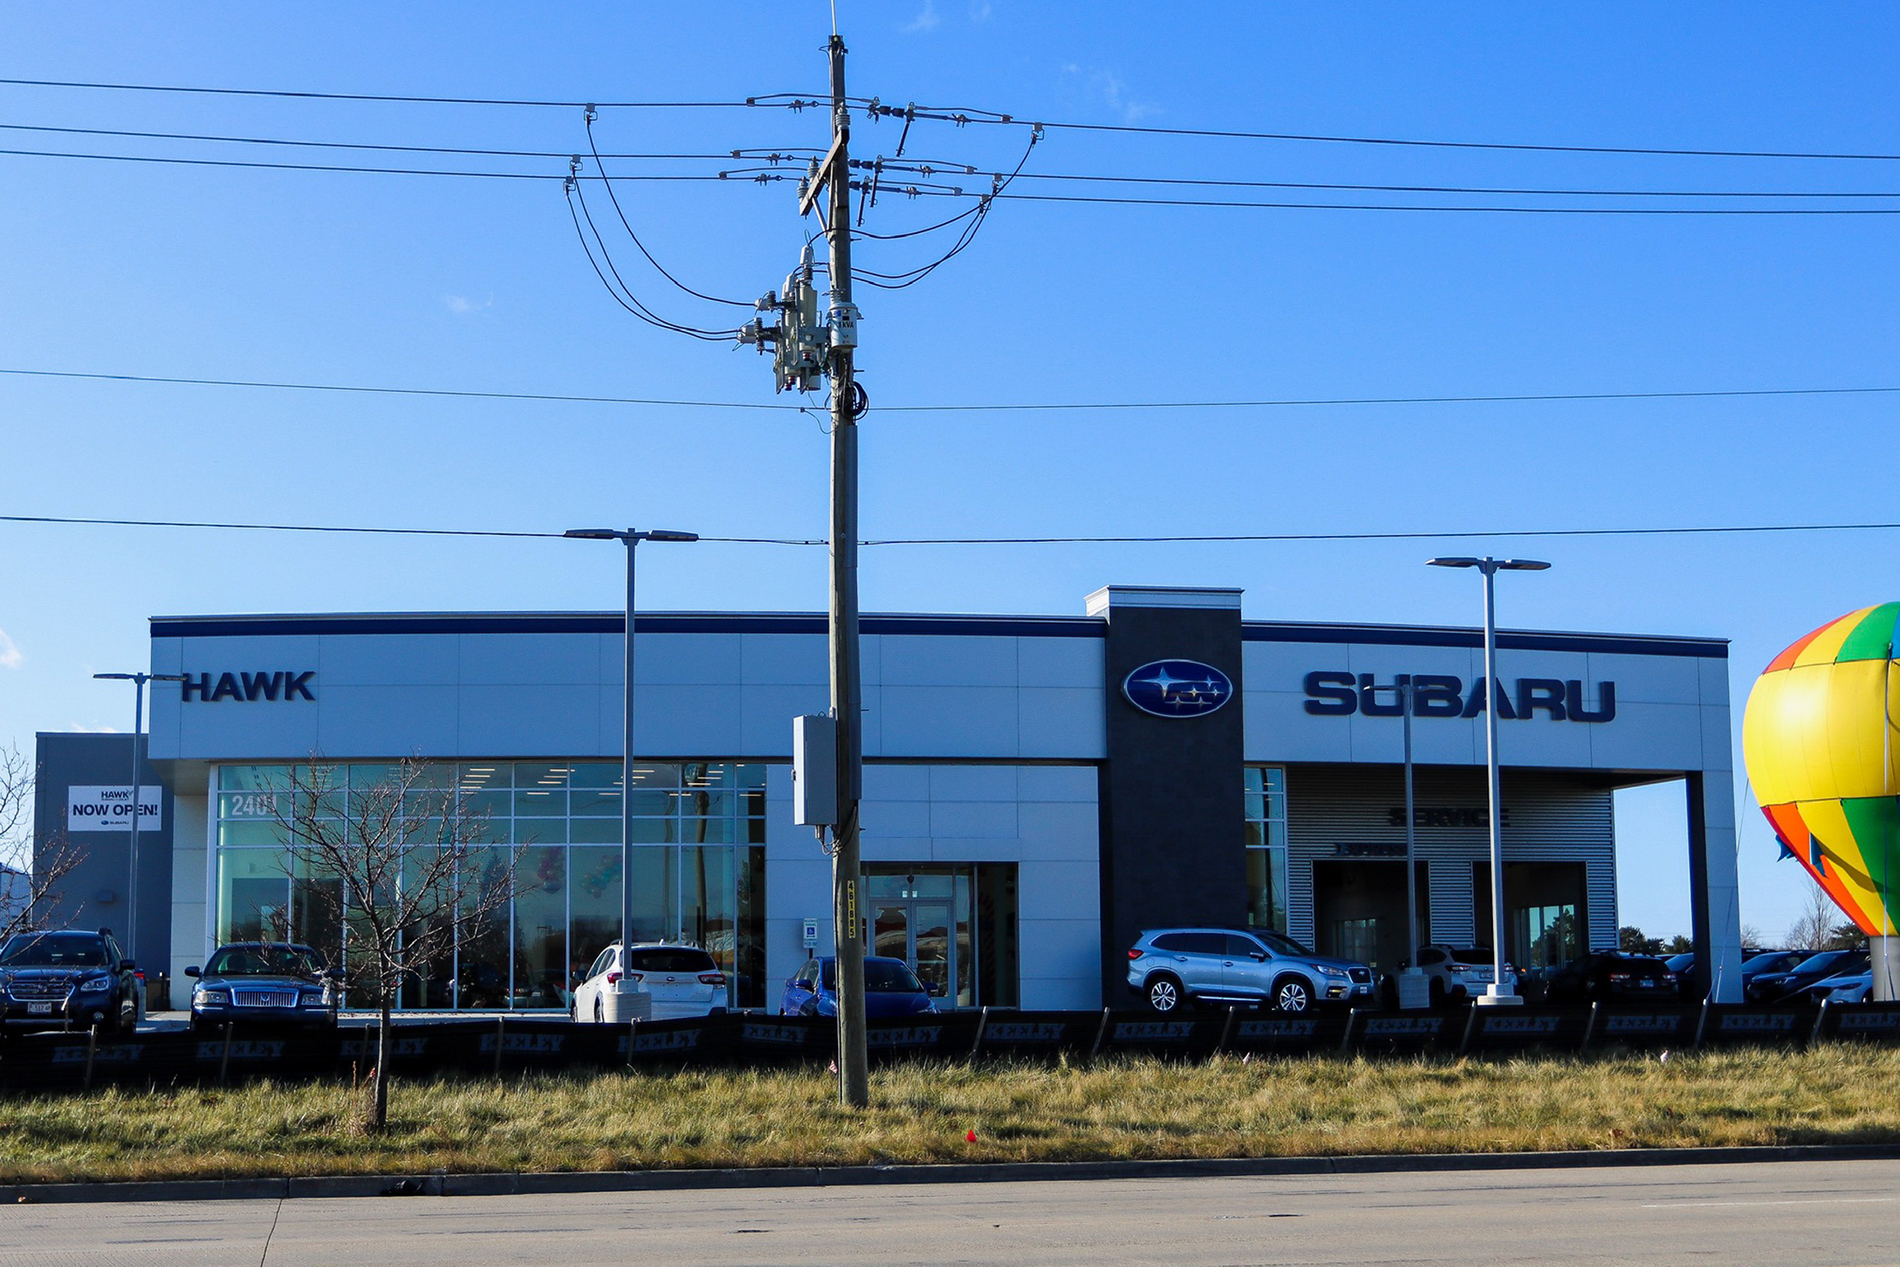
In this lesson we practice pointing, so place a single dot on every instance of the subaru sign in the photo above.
(1177, 688)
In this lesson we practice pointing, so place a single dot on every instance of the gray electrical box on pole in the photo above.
(815, 771)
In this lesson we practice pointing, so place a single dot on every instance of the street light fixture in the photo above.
(615, 1005)
(1498, 992)
(138, 681)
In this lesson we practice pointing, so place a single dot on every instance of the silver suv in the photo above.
(1172, 967)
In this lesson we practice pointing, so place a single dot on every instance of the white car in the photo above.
(1856, 987)
(1454, 974)
(675, 981)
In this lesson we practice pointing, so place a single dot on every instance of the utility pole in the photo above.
(854, 1079)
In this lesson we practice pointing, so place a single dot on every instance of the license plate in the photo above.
(39, 1009)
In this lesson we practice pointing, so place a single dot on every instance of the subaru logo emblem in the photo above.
(1177, 688)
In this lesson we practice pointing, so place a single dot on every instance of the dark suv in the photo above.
(69, 978)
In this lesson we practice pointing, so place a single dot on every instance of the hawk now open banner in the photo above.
(110, 808)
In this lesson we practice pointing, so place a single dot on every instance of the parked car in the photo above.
(1175, 967)
(1612, 976)
(262, 982)
(1768, 961)
(1856, 987)
(1772, 987)
(1454, 975)
(890, 989)
(70, 977)
(677, 980)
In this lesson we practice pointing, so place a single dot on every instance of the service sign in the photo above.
(110, 808)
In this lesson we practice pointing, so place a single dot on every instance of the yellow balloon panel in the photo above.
(1818, 731)
(1842, 851)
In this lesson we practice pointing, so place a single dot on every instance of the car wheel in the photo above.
(1165, 993)
(1292, 994)
(126, 1022)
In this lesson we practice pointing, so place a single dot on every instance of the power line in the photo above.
(342, 528)
(563, 156)
(1147, 539)
(777, 99)
(1442, 208)
(795, 101)
(995, 407)
(961, 117)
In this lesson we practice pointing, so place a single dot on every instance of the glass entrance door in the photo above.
(919, 933)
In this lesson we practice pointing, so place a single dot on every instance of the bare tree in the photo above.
(1814, 928)
(405, 871)
(29, 884)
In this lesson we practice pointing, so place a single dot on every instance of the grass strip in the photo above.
(920, 1113)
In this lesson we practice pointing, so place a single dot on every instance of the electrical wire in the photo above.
(615, 200)
(624, 294)
(1309, 402)
(342, 145)
(1488, 209)
(966, 116)
(1150, 539)
(899, 281)
(784, 100)
(789, 153)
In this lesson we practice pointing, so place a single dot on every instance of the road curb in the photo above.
(560, 1182)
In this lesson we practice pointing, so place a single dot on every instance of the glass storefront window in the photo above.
(1264, 789)
(699, 869)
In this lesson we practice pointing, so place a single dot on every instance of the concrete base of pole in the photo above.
(1415, 989)
(1498, 996)
(1885, 955)
(623, 1003)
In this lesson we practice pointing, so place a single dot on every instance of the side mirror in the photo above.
(129, 965)
(194, 971)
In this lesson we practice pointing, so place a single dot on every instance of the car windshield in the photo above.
(1769, 962)
(264, 961)
(55, 950)
(884, 976)
(1821, 962)
(1678, 962)
(1279, 943)
(881, 976)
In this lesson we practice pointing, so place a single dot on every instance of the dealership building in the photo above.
(1037, 789)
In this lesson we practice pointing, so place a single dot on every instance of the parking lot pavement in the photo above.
(1766, 1214)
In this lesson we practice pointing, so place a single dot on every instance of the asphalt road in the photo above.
(1799, 1212)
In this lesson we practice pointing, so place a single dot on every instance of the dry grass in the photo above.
(920, 1113)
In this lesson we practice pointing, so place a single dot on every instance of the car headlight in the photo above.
(95, 985)
(311, 998)
(215, 997)
(1325, 970)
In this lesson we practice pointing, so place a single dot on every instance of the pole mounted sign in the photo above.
(109, 808)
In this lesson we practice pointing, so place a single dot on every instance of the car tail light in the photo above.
(139, 973)
(1136, 952)
(1619, 976)
(1459, 967)
(712, 978)
(636, 976)
(613, 978)
(1669, 976)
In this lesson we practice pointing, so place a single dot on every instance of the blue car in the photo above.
(890, 989)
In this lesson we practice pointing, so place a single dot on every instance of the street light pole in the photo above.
(1498, 992)
(614, 1006)
(138, 681)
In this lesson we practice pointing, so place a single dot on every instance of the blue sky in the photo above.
(480, 284)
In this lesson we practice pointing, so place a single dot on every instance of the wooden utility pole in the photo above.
(854, 1079)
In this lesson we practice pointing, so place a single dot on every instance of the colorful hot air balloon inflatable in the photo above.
(1821, 739)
